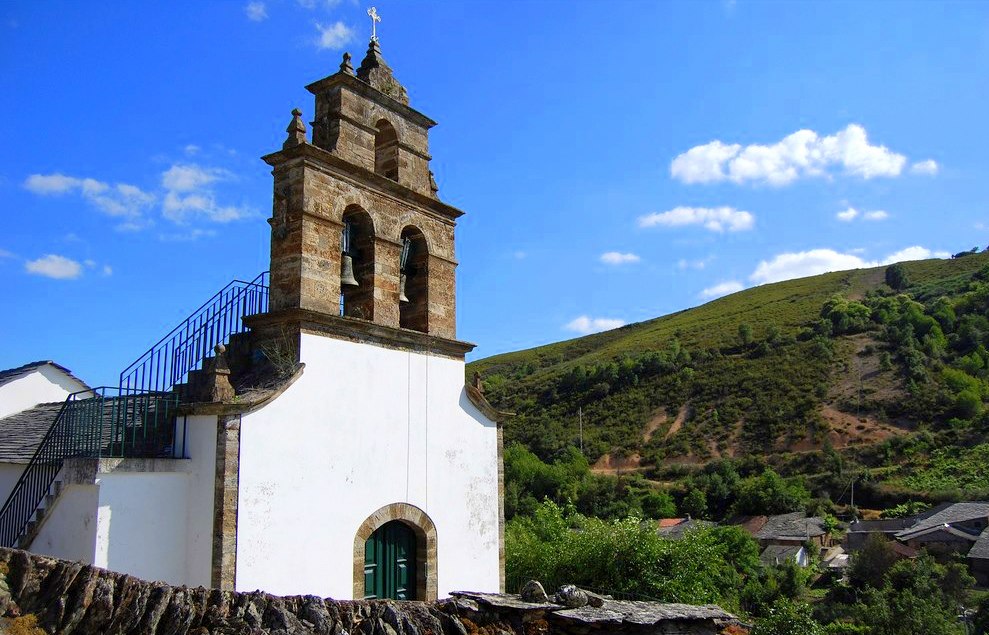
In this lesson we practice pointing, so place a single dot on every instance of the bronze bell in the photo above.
(347, 272)
(401, 288)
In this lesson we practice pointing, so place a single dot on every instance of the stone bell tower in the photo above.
(361, 245)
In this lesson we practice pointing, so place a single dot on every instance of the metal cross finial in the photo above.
(375, 18)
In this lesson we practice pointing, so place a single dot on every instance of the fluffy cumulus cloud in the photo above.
(787, 266)
(618, 258)
(586, 324)
(716, 219)
(928, 167)
(334, 36)
(124, 201)
(256, 11)
(189, 194)
(54, 266)
(723, 288)
(850, 214)
(802, 154)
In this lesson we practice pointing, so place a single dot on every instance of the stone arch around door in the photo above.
(425, 535)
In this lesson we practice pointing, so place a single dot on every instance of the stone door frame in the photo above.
(425, 532)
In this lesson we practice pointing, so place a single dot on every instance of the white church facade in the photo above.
(309, 432)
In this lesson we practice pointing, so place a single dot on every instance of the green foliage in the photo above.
(896, 277)
(627, 558)
(788, 618)
(769, 493)
(903, 510)
(870, 564)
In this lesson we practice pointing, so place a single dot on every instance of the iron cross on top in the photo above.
(375, 18)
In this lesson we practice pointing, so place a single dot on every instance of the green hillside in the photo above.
(820, 377)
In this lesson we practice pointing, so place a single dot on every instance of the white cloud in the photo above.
(723, 288)
(717, 219)
(188, 195)
(801, 264)
(256, 11)
(4, 254)
(848, 215)
(877, 214)
(801, 154)
(312, 4)
(618, 258)
(120, 200)
(335, 36)
(683, 263)
(107, 270)
(928, 167)
(54, 266)
(192, 149)
(189, 236)
(586, 325)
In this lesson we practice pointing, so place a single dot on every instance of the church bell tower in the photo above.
(361, 245)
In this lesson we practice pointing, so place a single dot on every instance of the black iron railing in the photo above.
(96, 423)
(169, 361)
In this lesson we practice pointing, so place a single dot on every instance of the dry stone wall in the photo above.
(45, 595)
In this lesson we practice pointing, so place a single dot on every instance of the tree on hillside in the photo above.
(896, 277)
(872, 562)
(745, 333)
(769, 493)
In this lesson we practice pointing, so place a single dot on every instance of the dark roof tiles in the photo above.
(21, 433)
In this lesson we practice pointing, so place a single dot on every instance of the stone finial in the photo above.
(218, 387)
(345, 66)
(478, 383)
(296, 130)
(433, 187)
(374, 71)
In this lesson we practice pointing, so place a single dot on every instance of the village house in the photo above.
(308, 432)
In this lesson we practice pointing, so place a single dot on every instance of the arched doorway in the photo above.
(395, 555)
(390, 563)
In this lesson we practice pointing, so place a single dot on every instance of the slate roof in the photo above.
(884, 526)
(778, 554)
(677, 531)
(11, 374)
(954, 513)
(793, 526)
(21, 433)
(980, 549)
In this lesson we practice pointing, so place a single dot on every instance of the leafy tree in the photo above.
(896, 277)
(769, 493)
(788, 618)
(745, 333)
(695, 503)
(871, 563)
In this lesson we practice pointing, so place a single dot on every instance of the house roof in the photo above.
(678, 530)
(669, 522)
(980, 549)
(885, 526)
(953, 513)
(902, 550)
(11, 374)
(21, 433)
(945, 528)
(778, 554)
(751, 524)
(792, 526)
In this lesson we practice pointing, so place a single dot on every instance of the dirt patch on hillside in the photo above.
(657, 421)
(608, 464)
(679, 421)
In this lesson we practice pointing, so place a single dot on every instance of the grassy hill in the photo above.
(818, 377)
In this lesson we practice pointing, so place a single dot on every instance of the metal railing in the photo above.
(169, 361)
(97, 423)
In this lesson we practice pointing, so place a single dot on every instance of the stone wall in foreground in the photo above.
(63, 597)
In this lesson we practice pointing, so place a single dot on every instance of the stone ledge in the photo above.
(85, 471)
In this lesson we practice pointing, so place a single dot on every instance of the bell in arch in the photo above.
(401, 288)
(347, 278)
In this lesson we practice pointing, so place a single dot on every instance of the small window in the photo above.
(386, 150)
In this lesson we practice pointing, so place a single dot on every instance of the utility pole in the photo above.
(580, 419)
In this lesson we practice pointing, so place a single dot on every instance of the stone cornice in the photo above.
(356, 330)
(329, 162)
(244, 403)
(372, 93)
(481, 403)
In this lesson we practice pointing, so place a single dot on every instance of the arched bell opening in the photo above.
(413, 287)
(357, 265)
(395, 555)
(386, 150)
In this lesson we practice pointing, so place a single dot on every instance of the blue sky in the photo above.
(617, 161)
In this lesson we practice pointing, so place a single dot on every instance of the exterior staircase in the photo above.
(135, 419)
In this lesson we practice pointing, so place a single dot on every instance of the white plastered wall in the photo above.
(43, 385)
(9, 473)
(364, 427)
(153, 520)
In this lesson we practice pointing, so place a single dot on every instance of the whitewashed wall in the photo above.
(9, 473)
(43, 385)
(156, 525)
(362, 428)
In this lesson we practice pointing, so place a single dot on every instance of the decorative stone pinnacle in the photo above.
(346, 66)
(375, 18)
(296, 130)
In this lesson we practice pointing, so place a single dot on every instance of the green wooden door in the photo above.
(390, 563)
